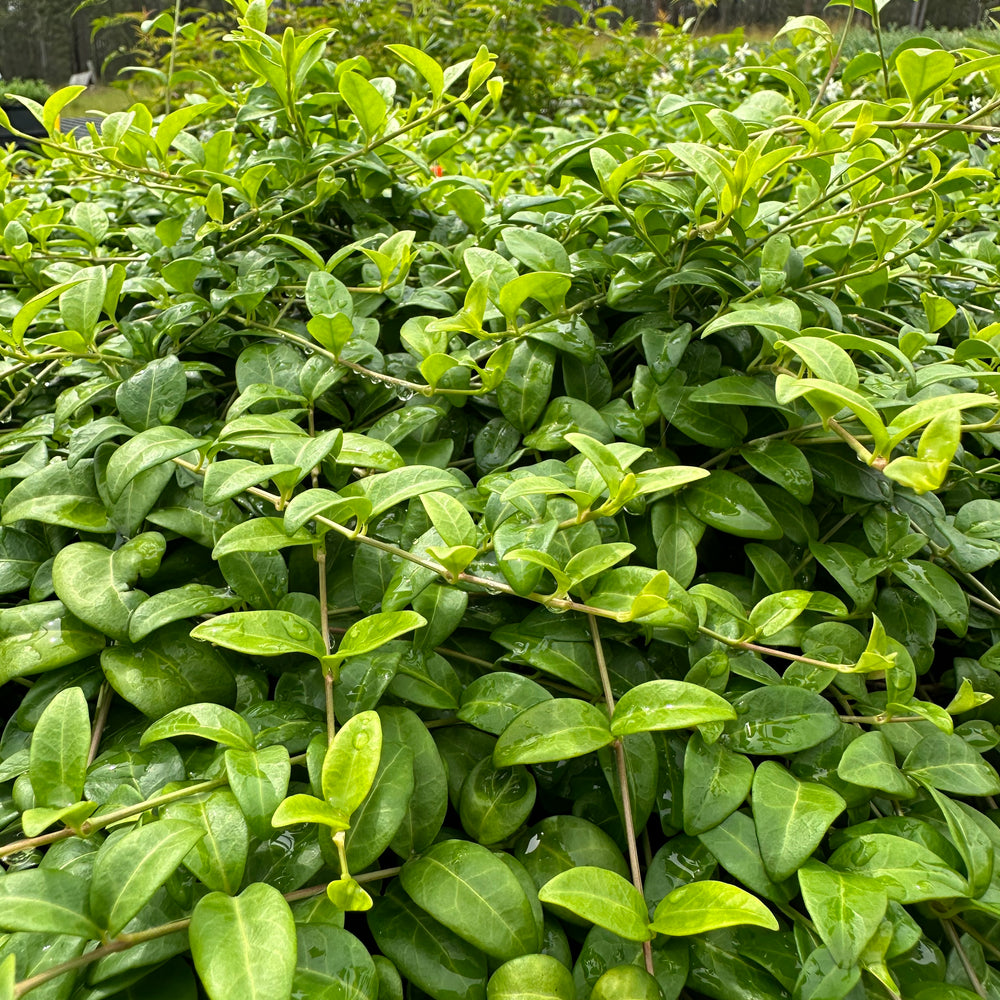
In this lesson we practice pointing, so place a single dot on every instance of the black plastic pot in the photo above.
(22, 120)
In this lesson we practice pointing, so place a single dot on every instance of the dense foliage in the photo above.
(462, 554)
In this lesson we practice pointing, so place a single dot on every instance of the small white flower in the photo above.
(743, 53)
(975, 103)
(739, 79)
(834, 91)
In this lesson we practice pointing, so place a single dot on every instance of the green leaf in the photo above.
(376, 630)
(869, 761)
(130, 868)
(50, 901)
(600, 897)
(364, 100)
(210, 722)
(429, 954)
(231, 477)
(496, 802)
(351, 762)
(946, 762)
(846, 909)
(188, 601)
(426, 66)
(309, 809)
(473, 893)
(154, 395)
(325, 503)
(783, 464)
(219, 858)
(244, 946)
(553, 730)
(939, 589)
(49, 639)
(791, 817)
(387, 489)
(450, 518)
(922, 71)
(780, 720)
(260, 534)
(263, 633)
(667, 705)
(167, 671)
(908, 871)
(716, 783)
(492, 701)
(95, 583)
(531, 977)
(333, 965)
(259, 780)
(705, 906)
(731, 504)
(144, 451)
(59, 746)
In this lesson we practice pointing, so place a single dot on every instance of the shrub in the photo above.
(472, 556)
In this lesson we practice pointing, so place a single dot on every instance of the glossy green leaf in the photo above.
(706, 906)
(218, 859)
(94, 581)
(130, 868)
(716, 783)
(376, 630)
(144, 451)
(260, 534)
(948, 763)
(791, 817)
(600, 897)
(259, 780)
(473, 893)
(730, 504)
(333, 964)
(174, 605)
(59, 747)
(427, 952)
(846, 909)
(244, 946)
(909, 872)
(869, 761)
(46, 900)
(168, 669)
(667, 705)
(780, 720)
(263, 633)
(495, 801)
(210, 722)
(553, 730)
(309, 809)
(351, 762)
(531, 977)
(492, 701)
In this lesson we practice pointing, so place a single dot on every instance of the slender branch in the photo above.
(622, 766)
(949, 929)
(100, 720)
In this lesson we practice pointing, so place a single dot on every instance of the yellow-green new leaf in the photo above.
(707, 906)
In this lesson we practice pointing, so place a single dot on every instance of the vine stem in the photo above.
(119, 815)
(622, 763)
(100, 720)
(949, 929)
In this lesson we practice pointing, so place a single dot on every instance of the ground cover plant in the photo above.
(460, 553)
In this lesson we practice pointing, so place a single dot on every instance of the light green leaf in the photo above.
(244, 946)
(263, 633)
(553, 730)
(46, 900)
(667, 705)
(791, 817)
(706, 906)
(130, 868)
(600, 897)
(210, 722)
(59, 746)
